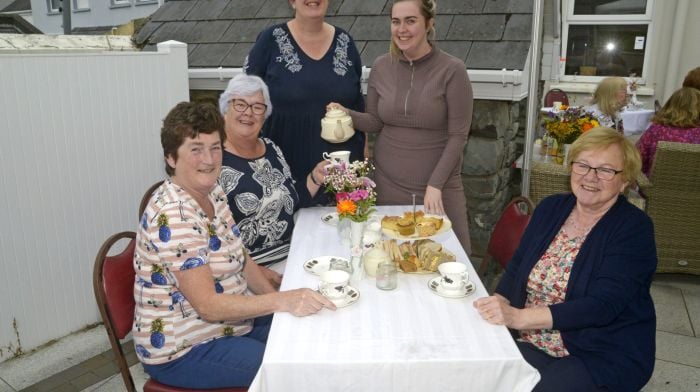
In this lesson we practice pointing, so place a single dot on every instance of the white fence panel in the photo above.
(79, 144)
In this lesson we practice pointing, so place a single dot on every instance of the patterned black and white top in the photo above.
(262, 196)
(300, 89)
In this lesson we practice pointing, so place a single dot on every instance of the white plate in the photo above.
(446, 225)
(330, 218)
(319, 264)
(435, 287)
(351, 296)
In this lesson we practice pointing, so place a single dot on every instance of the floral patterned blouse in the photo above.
(175, 234)
(656, 133)
(547, 285)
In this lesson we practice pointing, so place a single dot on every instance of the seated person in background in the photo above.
(577, 288)
(609, 99)
(261, 192)
(677, 121)
(692, 79)
(203, 306)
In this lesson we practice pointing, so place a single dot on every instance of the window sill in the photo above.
(589, 88)
(145, 2)
(125, 5)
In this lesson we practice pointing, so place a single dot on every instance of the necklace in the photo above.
(582, 229)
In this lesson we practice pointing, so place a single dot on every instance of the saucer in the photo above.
(351, 296)
(435, 287)
(330, 218)
(319, 264)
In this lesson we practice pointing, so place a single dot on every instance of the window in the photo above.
(79, 5)
(120, 3)
(605, 38)
(53, 6)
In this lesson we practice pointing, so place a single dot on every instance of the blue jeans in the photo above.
(558, 374)
(230, 361)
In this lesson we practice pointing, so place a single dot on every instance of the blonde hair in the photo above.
(682, 110)
(605, 95)
(603, 137)
(428, 8)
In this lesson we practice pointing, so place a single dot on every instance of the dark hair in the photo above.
(692, 79)
(188, 120)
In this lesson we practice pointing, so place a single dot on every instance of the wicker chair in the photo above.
(673, 203)
(547, 179)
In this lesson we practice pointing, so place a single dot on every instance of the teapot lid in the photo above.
(335, 113)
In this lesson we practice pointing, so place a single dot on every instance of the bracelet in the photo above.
(313, 179)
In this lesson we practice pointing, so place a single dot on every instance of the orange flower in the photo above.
(346, 207)
(587, 126)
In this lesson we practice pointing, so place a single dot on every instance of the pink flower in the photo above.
(368, 183)
(342, 196)
(359, 194)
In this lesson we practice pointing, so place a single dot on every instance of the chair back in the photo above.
(555, 95)
(673, 203)
(548, 179)
(506, 234)
(147, 196)
(113, 282)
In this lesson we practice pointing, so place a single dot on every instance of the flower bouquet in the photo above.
(566, 125)
(354, 191)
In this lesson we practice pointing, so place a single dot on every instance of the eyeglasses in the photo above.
(241, 106)
(604, 173)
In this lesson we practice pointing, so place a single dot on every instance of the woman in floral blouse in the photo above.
(307, 63)
(577, 288)
(678, 121)
(200, 299)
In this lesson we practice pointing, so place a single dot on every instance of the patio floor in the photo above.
(84, 361)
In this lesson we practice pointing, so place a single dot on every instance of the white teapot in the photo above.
(336, 127)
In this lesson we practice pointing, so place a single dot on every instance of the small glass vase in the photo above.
(344, 230)
(356, 231)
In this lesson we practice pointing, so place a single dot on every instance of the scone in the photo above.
(431, 219)
(405, 227)
(389, 222)
(426, 229)
(409, 215)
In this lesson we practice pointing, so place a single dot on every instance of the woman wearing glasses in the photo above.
(577, 289)
(261, 191)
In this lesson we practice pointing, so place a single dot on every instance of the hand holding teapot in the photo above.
(336, 126)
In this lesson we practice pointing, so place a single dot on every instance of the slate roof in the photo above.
(15, 5)
(486, 34)
(15, 24)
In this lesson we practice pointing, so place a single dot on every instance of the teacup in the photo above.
(337, 157)
(372, 259)
(333, 283)
(454, 276)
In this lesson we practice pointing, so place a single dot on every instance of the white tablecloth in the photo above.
(635, 122)
(408, 339)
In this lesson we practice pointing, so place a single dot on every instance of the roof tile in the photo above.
(460, 6)
(497, 55)
(247, 30)
(209, 55)
(275, 9)
(477, 27)
(177, 31)
(518, 28)
(459, 49)
(208, 31)
(442, 26)
(236, 56)
(241, 10)
(207, 10)
(369, 28)
(146, 32)
(173, 10)
(372, 50)
(344, 22)
(361, 7)
(508, 7)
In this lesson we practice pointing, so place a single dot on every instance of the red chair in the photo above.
(147, 197)
(113, 281)
(506, 234)
(555, 95)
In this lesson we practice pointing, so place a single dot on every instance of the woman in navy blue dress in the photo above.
(306, 64)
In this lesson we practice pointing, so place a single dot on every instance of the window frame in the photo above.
(120, 3)
(568, 19)
(49, 7)
(76, 9)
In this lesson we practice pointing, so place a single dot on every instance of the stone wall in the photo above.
(495, 141)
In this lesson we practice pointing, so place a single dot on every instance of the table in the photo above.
(408, 339)
(636, 121)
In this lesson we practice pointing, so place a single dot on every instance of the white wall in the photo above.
(79, 145)
(101, 13)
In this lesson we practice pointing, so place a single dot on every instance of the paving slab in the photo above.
(692, 303)
(671, 314)
(673, 377)
(679, 349)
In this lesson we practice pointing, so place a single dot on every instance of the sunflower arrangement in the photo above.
(567, 124)
(353, 189)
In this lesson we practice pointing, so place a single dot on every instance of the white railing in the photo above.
(79, 144)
